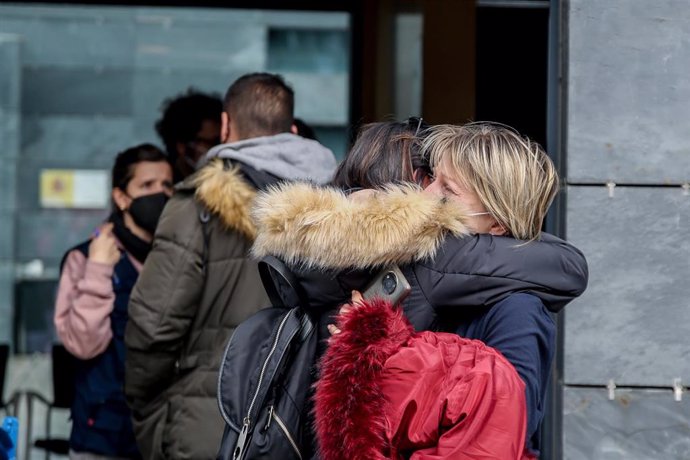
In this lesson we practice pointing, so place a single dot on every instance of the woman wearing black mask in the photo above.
(96, 279)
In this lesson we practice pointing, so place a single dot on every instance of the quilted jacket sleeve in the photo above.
(163, 303)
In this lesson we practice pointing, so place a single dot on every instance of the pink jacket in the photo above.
(84, 302)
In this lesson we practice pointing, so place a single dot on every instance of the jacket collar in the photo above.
(323, 228)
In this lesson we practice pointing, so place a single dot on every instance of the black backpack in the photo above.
(266, 374)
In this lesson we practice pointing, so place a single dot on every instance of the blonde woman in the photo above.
(472, 249)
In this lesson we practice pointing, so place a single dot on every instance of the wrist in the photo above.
(99, 264)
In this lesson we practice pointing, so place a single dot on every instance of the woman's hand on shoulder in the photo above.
(103, 248)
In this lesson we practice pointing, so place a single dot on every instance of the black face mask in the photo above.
(146, 210)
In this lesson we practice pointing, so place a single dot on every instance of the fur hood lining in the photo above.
(225, 193)
(323, 228)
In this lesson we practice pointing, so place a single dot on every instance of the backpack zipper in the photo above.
(247, 422)
(269, 419)
(219, 399)
(285, 431)
(241, 440)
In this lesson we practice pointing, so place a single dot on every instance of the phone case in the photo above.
(389, 284)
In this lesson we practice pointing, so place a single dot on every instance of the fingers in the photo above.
(333, 329)
(107, 229)
(357, 300)
(103, 247)
(103, 231)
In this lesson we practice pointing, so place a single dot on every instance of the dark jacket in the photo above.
(335, 245)
(523, 330)
(101, 420)
(183, 309)
(197, 285)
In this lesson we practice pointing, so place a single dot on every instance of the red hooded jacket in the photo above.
(386, 392)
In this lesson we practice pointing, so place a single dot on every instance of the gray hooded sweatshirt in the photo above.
(285, 155)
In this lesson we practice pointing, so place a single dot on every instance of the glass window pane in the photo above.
(82, 83)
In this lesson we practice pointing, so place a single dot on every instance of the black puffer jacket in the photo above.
(482, 270)
(335, 245)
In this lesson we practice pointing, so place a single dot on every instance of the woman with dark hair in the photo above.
(96, 279)
(385, 152)
(479, 267)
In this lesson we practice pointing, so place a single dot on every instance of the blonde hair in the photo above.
(512, 176)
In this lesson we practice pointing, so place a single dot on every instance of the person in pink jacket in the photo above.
(96, 279)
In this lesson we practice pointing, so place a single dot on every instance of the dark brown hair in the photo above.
(183, 117)
(125, 162)
(260, 104)
(384, 153)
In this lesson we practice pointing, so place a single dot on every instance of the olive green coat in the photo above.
(191, 294)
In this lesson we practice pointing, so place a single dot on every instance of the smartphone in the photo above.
(389, 284)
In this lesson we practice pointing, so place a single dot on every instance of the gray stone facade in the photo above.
(628, 93)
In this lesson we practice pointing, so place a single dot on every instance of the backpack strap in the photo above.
(260, 180)
(204, 218)
(281, 284)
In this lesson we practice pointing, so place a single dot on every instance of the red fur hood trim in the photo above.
(349, 405)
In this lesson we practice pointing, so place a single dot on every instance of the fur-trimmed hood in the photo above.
(350, 407)
(323, 228)
(336, 243)
(385, 392)
(225, 192)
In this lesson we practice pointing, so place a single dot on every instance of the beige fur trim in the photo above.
(225, 193)
(323, 228)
